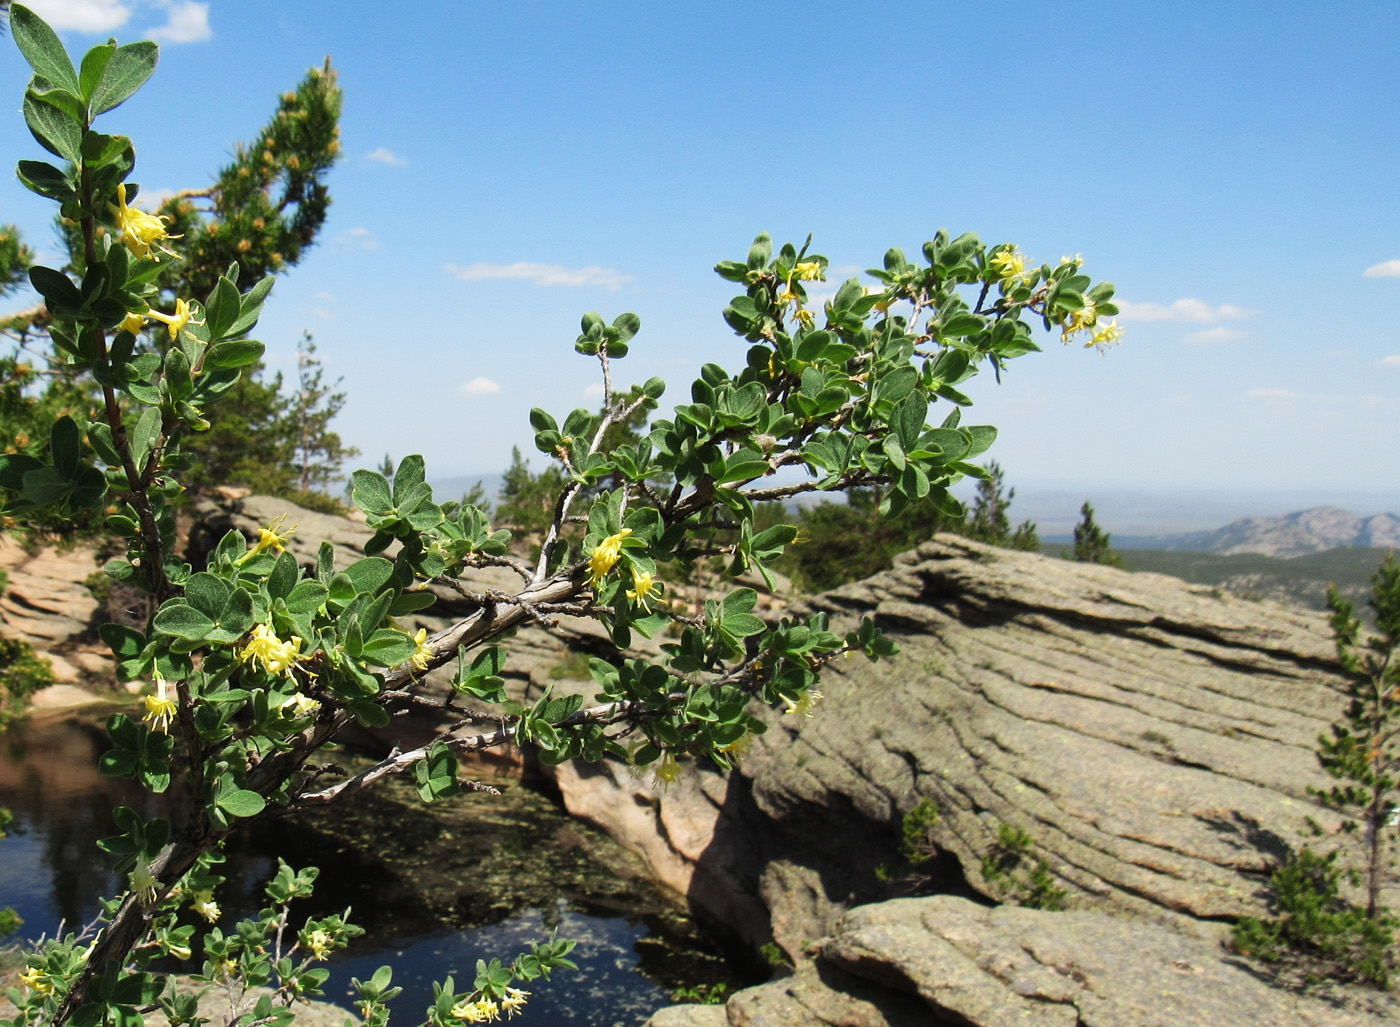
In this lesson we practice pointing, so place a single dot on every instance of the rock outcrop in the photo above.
(1153, 740)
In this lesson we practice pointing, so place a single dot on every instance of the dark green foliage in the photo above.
(988, 521)
(841, 542)
(1091, 543)
(527, 500)
(9, 919)
(276, 442)
(15, 258)
(916, 844)
(1363, 752)
(266, 207)
(1316, 925)
(1004, 868)
(22, 673)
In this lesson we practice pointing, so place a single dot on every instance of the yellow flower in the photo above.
(514, 1000)
(667, 769)
(605, 555)
(320, 943)
(642, 588)
(1106, 335)
(787, 296)
(805, 317)
(1079, 320)
(810, 271)
(299, 705)
(140, 231)
(272, 537)
(423, 653)
(739, 748)
(160, 708)
(177, 321)
(178, 951)
(205, 906)
(37, 980)
(144, 883)
(132, 322)
(802, 706)
(481, 1010)
(227, 968)
(1008, 263)
(276, 656)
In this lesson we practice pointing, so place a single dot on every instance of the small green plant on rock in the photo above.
(22, 673)
(1316, 927)
(917, 843)
(704, 994)
(1004, 869)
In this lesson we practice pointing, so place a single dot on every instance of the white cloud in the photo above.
(1186, 309)
(1391, 361)
(185, 22)
(357, 239)
(325, 296)
(322, 313)
(384, 155)
(541, 274)
(1208, 335)
(481, 387)
(596, 389)
(1385, 269)
(82, 15)
(1271, 394)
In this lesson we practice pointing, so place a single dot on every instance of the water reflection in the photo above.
(435, 887)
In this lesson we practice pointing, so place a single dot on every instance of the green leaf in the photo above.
(57, 288)
(180, 620)
(370, 492)
(143, 438)
(242, 803)
(235, 353)
(45, 179)
(409, 475)
(221, 310)
(127, 71)
(307, 597)
(42, 49)
(93, 65)
(53, 128)
(65, 446)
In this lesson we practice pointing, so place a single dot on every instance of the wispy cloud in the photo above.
(358, 238)
(185, 22)
(83, 15)
(384, 155)
(1271, 394)
(1206, 336)
(1186, 309)
(1391, 361)
(480, 387)
(594, 389)
(1385, 269)
(540, 274)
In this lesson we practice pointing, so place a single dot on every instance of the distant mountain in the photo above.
(1305, 531)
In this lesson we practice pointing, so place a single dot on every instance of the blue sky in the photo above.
(1232, 167)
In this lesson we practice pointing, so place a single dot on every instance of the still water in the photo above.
(435, 887)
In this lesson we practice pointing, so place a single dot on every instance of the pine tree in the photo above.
(320, 454)
(1363, 751)
(988, 521)
(1091, 543)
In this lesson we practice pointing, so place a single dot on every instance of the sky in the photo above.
(509, 166)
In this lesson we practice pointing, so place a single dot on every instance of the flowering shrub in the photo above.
(257, 663)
